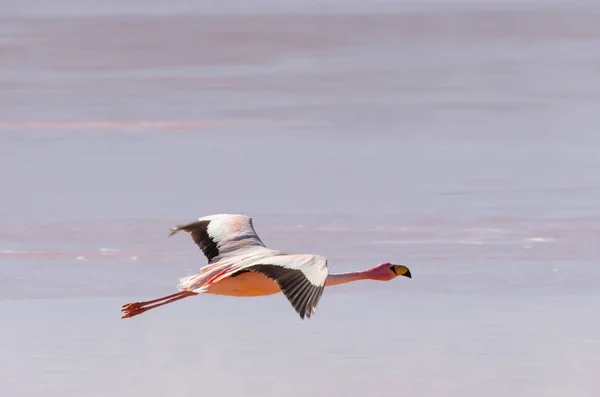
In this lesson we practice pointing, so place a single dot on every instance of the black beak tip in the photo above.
(407, 274)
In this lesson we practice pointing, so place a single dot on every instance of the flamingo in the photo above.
(239, 264)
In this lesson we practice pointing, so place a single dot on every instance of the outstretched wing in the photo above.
(217, 235)
(301, 278)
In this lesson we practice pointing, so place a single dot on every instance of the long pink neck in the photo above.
(342, 278)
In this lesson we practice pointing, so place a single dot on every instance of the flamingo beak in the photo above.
(401, 270)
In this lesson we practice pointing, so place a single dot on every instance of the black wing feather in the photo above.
(199, 232)
(301, 293)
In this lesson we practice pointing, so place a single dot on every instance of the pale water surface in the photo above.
(459, 139)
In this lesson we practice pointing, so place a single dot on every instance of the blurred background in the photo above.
(459, 138)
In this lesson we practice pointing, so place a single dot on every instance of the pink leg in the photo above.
(135, 308)
(138, 304)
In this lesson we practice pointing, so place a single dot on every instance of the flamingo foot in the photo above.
(128, 313)
(131, 306)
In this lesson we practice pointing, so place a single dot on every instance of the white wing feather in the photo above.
(232, 232)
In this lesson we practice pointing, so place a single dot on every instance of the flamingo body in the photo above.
(247, 284)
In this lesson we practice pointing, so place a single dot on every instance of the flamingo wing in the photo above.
(301, 278)
(221, 234)
(232, 247)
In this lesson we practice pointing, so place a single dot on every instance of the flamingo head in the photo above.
(388, 271)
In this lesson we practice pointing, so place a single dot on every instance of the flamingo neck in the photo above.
(343, 278)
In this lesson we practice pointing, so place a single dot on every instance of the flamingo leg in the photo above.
(138, 304)
(135, 308)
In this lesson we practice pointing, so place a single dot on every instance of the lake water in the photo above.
(458, 139)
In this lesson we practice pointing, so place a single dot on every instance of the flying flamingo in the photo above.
(239, 264)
